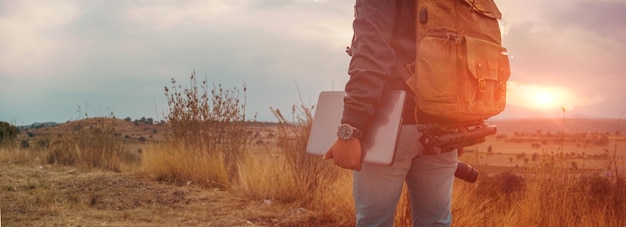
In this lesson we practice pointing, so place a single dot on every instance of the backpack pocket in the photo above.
(487, 73)
(461, 79)
(435, 81)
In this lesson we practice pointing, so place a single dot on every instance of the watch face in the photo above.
(345, 132)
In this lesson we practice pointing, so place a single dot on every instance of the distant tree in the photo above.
(7, 131)
(149, 121)
(127, 119)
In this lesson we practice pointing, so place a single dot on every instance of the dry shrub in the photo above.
(8, 133)
(63, 152)
(503, 184)
(206, 123)
(91, 144)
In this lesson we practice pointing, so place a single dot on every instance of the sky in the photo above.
(63, 60)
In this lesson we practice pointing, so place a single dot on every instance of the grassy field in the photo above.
(520, 182)
(210, 165)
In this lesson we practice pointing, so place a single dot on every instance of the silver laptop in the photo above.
(380, 135)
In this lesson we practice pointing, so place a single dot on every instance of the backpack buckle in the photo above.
(482, 85)
(454, 37)
(502, 87)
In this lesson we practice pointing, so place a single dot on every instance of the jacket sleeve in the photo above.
(372, 59)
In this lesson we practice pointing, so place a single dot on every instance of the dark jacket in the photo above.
(384, 42)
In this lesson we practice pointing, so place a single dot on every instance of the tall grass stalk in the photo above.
(176, 163)
(267, 176)
(313, 183)
(619, 181)
(13, 155)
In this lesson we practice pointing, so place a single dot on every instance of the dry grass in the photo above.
(538, 199)
(290, 175)
(18, 156)
(209, 144)
(179, 164)
(550, 196)
(91, 143)
(266, 176)
(285, 173)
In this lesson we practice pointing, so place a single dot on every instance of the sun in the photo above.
(545, 99)
(539, 97)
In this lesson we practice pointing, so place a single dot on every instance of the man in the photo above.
(384, 42)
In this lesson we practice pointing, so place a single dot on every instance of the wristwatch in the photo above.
(346, 132)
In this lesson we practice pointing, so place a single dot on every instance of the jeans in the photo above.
(377, 188)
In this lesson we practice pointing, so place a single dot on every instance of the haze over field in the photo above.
(116, 56)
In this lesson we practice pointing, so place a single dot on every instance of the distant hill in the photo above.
(504, 125)
(37, 125)
(124, 129)
(556, 125)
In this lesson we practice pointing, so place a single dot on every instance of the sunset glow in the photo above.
(545, 97)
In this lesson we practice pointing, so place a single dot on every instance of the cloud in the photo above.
(127, 51)
(120, 54)
(32, 35)
(166, 15)
(603, 19)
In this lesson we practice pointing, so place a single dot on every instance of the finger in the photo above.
(329, 154)
(357, 164)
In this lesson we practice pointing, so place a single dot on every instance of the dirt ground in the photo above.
(65, 196)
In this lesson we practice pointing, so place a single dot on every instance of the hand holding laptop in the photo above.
(345, 153)
(376, 144)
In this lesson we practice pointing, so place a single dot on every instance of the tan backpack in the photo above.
(461, 68)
